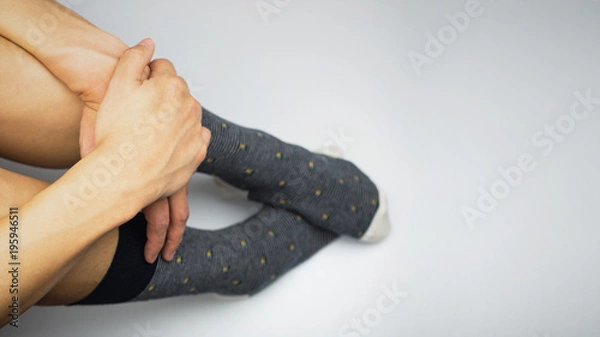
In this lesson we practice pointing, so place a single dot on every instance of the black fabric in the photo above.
(129, 273)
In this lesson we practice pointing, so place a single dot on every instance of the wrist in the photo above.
(97, 190)
(118, 162)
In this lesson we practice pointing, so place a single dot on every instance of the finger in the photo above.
(157, 216)
(161, 67)
(180, 213)
(206, 135)
(132, 63)
(145, 73)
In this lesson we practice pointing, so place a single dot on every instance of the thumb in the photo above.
(131, 67)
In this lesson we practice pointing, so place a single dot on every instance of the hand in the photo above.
(157, 120)
(87, 72)
(84, 57)
(167, 218)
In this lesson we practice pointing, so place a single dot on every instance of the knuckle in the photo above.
(183, 215)
(134, 54)
(208, 133)
(160, 226)
(173, 240)
(201, 155)
(177, 83)
(164, 63)
(190, 105)
(196, 107)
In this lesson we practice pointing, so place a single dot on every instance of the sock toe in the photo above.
(380, 226)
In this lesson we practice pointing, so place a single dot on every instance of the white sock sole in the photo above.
(380, 226)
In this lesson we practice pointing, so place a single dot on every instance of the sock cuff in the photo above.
(129, 273)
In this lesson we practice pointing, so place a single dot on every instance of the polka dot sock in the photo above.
(238, 260)
(330, 193)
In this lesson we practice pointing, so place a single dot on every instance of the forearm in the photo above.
(58, 225)
(40, 26)
(52, 33)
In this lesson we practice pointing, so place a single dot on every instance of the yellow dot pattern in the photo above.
(318, 192)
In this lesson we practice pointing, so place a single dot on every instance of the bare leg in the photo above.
(39, 115)
(88, 271)
(40, 126)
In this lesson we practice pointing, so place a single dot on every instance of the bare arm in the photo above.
(84, 57)
(73, 49)
(46, 253)
(131, 166)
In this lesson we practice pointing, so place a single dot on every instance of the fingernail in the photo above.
(147, 42)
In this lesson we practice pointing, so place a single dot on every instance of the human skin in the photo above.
(87, 270)
(83, 58)
(56, 234)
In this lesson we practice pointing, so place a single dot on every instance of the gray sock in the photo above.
(238, 260)
(330, 193)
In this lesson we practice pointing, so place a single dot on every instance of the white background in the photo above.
(318, 71)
